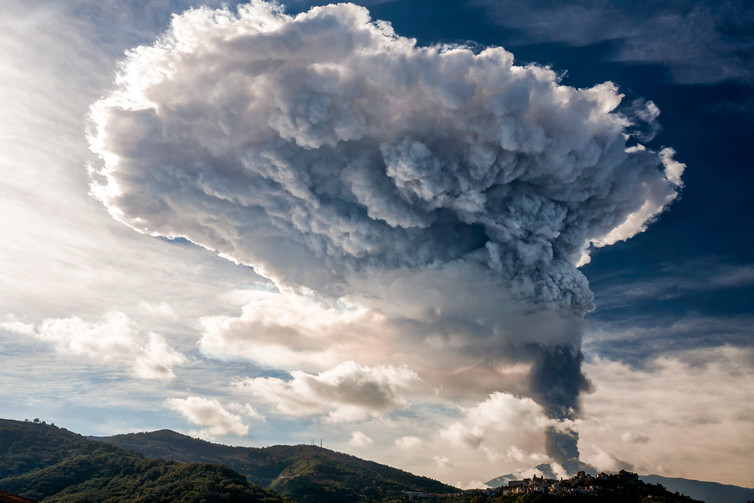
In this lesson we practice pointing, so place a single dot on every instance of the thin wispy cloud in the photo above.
(699, 41)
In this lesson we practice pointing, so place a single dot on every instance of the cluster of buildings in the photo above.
(582, 483)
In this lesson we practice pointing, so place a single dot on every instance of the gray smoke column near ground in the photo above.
(557, 382)
(324, 148)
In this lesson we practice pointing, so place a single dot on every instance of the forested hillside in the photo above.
(304, 473)
(46, 464)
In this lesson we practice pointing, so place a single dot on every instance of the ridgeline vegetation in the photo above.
(48, 464)
(303, 473)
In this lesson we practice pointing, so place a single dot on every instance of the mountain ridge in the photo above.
(709, 492)
(48, 464)
(302, 472)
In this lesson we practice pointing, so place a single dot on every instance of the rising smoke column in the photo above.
(557, 382)
(335, 156)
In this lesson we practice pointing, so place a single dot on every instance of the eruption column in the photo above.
(336, 157)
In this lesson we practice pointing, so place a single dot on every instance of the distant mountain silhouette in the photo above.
(546, 470)
(709, 492)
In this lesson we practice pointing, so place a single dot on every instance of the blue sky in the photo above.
(388, 231)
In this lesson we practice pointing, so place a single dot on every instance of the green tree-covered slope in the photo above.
(304, 473)
(47, 464)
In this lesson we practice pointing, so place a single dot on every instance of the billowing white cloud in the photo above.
(526, 458)
(114, 340)
(455, 355)
(293, 331)
(634, 438)
(348, 392)
(359, 439)
(699, 394)
(408, 442)
(417, 439)
(216, 419)
(500, 413)
(11, 324)
(288, 158)
(442, 461)
(246, 410)
(524, 473)
(654, 204)
(161, 309)
(605, 461)
(473, 484)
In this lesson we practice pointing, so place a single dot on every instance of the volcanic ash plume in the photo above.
(450, 192)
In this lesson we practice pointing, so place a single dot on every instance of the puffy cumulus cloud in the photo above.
(552, 470)
(359, 439)
(653, 205)
(161, 310)
(431, 438)
(294, 331)
(348, 392)
(442, 194)
(691, 411)
(216, 419)
(634, 438)
(464, 347)
(496, 421)
(474, 484)
(11, 324)
(606, 461)
(408, 442)
(526, 458)
(114, 340)
(442, 461)
(457, 357)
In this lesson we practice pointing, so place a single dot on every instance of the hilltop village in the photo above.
(622, 482)
(582, 483)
